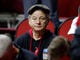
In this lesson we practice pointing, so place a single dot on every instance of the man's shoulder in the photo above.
(26, 35)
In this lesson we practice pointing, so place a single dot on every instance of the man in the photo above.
(75, 23)
(5, 41)
(6, 52)
(75, 45)
(38, 37)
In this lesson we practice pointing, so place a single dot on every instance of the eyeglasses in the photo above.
(38, 18)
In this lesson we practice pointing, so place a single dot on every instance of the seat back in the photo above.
(24, 27)
(64, 28)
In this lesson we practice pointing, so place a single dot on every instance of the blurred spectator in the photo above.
(58, 49)
(5, 42)
(75, 45)
(5, 46)
(75, 23)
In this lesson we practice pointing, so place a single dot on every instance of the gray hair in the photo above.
(5, 42)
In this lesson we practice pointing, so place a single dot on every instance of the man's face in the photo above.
(38, 20)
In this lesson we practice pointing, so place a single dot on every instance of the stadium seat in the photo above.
(24, 27)
(64, 28)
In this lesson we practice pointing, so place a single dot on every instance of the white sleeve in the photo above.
(73, 26)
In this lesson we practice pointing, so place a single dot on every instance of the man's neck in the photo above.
(38, 35)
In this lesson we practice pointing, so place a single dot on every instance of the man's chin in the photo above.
(38, 30)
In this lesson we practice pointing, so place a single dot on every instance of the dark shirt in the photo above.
(75, 48)
(27, 42)
(26, 55)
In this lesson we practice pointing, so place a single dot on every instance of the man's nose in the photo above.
(38, 21)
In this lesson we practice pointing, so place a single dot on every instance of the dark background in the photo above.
(66, 8)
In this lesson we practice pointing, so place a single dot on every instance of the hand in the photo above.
(17, 50)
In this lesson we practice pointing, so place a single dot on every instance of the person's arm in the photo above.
(24, 54)
(16, 49)
(17, 43)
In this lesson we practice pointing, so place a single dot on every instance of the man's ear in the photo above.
(48, 18)
(29, 20)
(29, 16)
